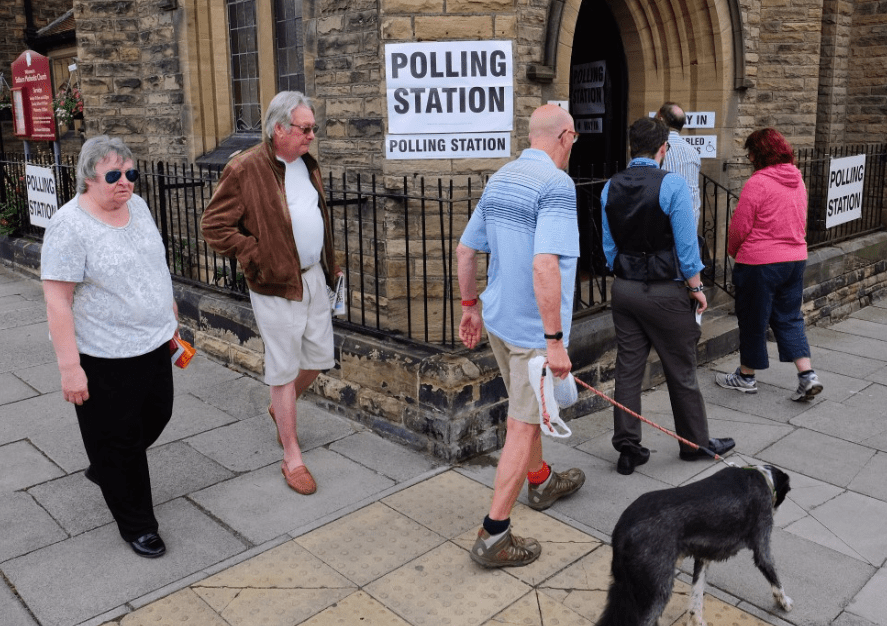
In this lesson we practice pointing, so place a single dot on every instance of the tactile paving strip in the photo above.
(358, 608)
(449, 504)
(370, 543)
(445, 588)
(288, 566)
(183, 608)
(561, 544)
(537, 609)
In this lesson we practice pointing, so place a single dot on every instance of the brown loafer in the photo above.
(300, 479)
(274, 419)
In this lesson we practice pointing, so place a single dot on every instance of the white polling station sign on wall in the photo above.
(42, 201)
(461, 93)
(845, 182)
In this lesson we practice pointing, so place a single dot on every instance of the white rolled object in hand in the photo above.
(555, 426)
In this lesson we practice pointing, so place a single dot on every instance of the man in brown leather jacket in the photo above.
(269, 212)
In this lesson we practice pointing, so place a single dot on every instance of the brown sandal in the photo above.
(300, 479)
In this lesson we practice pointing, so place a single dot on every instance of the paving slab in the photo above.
(819, 456)
(200, 374)
(358, 607)
(13, 389)
(849, 344)
(25, 346)
(370, 543)
(13, 611)
(870, 479)
(869, 602)
(820, 581)
(864, 530)
(834, 419)
(191, 416)
(260, 506)
(448, 504)
(862, 328)
(96, 571)
(44, 378)
(242, 397)
(536, 609)
(445, 587)
(250, 444)
(25, 526)
(872, 314)
(386, 457)
(74, 502)
(22, 465)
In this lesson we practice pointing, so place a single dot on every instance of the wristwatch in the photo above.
(556, 336)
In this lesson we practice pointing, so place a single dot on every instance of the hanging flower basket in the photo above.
(68, 105)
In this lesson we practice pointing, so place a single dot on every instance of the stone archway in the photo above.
(689, 51)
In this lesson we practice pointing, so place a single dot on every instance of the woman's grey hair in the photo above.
(94, 150)
(280, 110)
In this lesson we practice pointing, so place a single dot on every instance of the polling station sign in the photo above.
(448, 146)
(448, 88)
(845, 183)
(587, 88)
(42, 201)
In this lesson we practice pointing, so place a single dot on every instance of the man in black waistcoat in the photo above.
(649, 237)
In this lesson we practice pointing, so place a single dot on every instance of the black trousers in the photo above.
(130, 403)
(660, 315)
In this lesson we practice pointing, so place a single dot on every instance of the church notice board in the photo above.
(33, 115)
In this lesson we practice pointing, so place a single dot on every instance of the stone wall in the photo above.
(452, 404)
(131, 82)
(867, 73)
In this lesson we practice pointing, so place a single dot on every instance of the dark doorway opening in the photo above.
(598, 103)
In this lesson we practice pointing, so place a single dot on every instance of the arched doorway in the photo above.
(598, 103)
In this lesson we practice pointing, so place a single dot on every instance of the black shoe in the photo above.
(90, 475)
(630, 458)
(718, 446)
(149, 545)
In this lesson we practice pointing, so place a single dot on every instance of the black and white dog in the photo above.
(709, 520)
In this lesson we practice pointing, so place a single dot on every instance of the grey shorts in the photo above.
(297, 335)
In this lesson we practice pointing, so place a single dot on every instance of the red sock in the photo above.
(540, 476)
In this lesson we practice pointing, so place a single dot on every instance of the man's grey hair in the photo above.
(281, 108)
(93, 152)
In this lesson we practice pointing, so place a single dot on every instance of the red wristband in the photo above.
(471, 302)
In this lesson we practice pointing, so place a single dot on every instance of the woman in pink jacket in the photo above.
(767, 240)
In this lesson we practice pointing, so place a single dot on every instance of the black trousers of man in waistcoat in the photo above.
(651, 309)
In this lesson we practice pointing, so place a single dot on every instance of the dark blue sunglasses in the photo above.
(112, 176)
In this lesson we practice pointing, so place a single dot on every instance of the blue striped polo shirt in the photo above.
(528, 207)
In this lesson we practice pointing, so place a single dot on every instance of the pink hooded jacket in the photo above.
(770, 220)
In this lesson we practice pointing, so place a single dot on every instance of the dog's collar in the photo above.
(768, 476)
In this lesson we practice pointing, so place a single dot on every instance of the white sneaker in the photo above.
(737, 381)
(808, 387)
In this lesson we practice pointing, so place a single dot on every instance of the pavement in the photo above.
(385, 538)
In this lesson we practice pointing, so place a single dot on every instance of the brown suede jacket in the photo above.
(248, 219)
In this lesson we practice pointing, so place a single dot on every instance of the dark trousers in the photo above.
(658, 314)
(770, 295)
(130, 403)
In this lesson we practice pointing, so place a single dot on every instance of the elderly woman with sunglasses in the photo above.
(111, 314)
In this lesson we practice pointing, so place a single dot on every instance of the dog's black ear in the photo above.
(780, 484)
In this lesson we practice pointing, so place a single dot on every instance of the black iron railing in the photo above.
(396, 240)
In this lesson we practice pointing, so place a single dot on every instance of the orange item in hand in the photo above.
(181, 352)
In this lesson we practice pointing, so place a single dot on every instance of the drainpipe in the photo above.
(30, 28)
(545, 72)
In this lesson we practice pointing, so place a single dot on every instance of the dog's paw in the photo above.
(695, 619)
(783, 600)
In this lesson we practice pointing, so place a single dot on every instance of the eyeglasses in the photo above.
(112, 176)
(567, 130)
(667, 146)
(306, 129)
